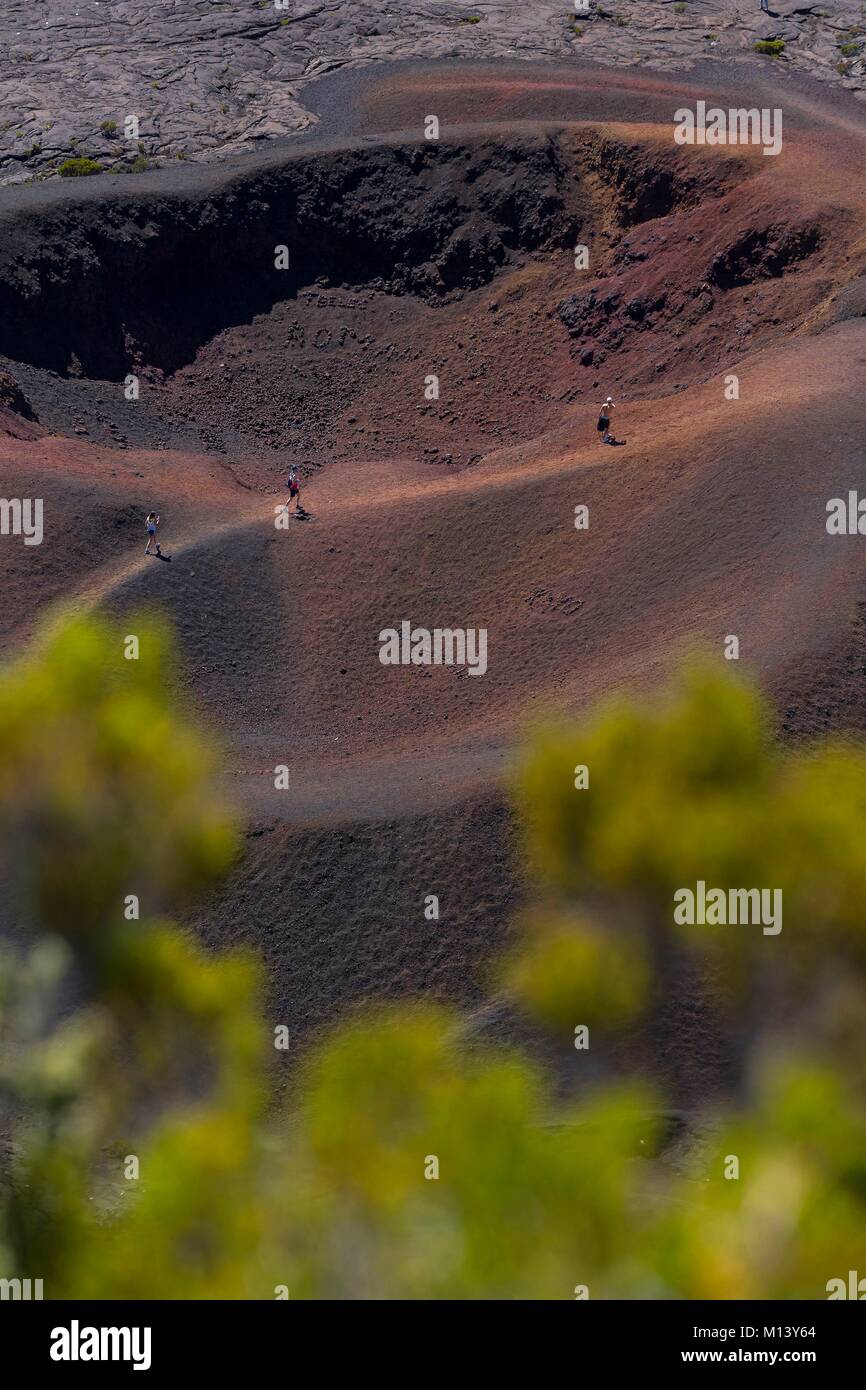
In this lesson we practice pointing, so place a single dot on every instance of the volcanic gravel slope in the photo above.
(457, 512)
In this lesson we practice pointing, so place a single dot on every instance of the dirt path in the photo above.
(691, 557)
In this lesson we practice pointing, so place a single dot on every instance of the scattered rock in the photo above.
(12, 398)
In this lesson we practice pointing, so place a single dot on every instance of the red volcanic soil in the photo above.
(407, 262)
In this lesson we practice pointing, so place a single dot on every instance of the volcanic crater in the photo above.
(408, 322)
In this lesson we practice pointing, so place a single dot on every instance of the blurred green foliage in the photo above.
(412, 1162)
